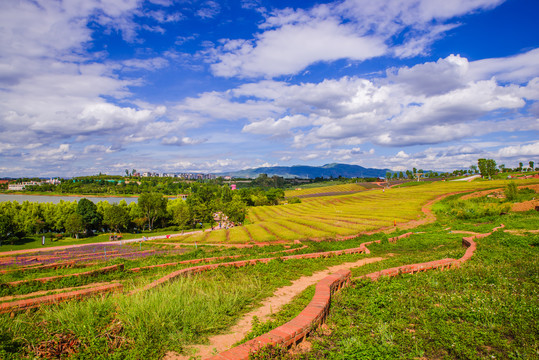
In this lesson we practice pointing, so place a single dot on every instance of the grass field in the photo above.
(485, 309)
(147, 324)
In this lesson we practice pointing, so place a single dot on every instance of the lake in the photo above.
(56, 199)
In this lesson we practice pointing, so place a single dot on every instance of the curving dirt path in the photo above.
(273, 304)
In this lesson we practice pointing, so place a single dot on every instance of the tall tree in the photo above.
(88, 210)
(6, 226)
(180, 213)
(487, 167)
(531, 163)
(236, 210)
(152, 205)
(75, 224)
(116, 217)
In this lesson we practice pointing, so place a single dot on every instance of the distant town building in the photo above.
(22, 186)
(184, 176)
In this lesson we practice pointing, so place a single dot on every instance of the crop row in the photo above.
(343, 215)
(325, 189)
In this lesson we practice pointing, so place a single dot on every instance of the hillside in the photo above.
(310, 172)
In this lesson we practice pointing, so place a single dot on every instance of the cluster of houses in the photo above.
(185, 176)
(23, 185)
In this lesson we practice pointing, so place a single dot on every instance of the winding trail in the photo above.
(271, 305)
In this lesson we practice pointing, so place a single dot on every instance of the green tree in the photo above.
(236, 210)
(75, 224)
(116, 217)
(152, 205)
(274, 195)
(511, 191)
(180, 213)
(88, 210)
(487, 167)
(6, 226)
(61, 212)
(531, 163)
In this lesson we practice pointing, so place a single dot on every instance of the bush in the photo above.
(511, 191)
(473, 210)
(294, 200)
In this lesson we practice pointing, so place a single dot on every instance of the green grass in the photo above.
(488, 308)
(170, 317)
(34, 242)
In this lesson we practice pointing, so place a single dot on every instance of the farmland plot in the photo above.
(342, 215)
(344, 188)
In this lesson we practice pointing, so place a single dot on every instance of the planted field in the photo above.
(343, 215)
(343, 188)
(172, 299)
(485, 308)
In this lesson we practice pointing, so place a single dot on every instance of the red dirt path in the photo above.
(271, 305)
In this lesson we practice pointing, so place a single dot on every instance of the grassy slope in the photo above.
(486, 309)
(371, 318)
(167, 318)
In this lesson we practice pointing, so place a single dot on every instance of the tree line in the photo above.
(151, 211)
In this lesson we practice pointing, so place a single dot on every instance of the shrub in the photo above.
(473, 210)
(511, 191)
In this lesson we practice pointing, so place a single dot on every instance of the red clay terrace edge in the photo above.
(296, 330)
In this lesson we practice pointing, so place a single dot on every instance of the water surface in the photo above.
(56, 199)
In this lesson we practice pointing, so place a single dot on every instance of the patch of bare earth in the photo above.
(521, 231)
(497, 192)
(525, 206)
(284, 295)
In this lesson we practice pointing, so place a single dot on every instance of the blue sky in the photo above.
(89, 86)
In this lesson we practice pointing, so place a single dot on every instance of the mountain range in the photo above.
(310, 172)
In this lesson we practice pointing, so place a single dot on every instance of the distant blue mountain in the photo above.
(310, 172)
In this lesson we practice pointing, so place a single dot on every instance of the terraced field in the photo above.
(344, 188)
(337, 216)
(167, 301)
